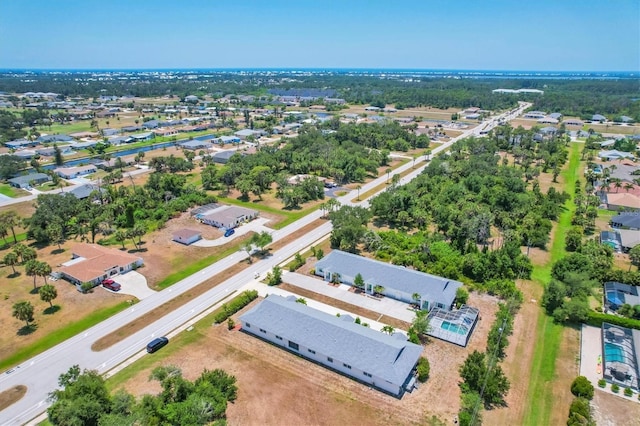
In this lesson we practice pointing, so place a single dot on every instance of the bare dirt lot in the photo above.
(279, 388)
(613, 410)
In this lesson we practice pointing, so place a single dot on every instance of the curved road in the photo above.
(40, 373)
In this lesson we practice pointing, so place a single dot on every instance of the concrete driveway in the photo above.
(135, 284)
(256, 225)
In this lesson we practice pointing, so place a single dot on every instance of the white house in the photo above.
(228, 216)
(93, 263)
(186, 236)
(398, 282)
(369, 356)
(74, 172)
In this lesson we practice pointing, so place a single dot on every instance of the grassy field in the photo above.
(194, 267)
(540, 400)
(177, 343)
(59, 336)
(10, 191)
(290, 215)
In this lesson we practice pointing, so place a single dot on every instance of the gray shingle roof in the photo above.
(368, 350)
(430, 287)
(84, 191)
(627, 220)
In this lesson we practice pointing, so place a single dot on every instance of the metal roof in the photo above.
(628, 220)
(388, 357)
(430, 287)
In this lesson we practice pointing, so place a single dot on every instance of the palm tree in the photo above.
(31, 269)
(23, 311)
(416, 298)
(48, 293)
(388, 171)
(359, 187)
(11, 259)
(10, 220)
(388, 329)
(43, 270)
(120, 236)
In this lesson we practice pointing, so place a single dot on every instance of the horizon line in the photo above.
(374, 69)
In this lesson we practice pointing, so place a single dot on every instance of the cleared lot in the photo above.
(279, 388)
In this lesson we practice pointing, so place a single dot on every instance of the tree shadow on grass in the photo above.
(27, 329)
(34, 290)
(15, 274)
(140, 250)
(57, 251)
(52, 310)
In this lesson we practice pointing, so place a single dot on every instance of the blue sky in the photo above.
(547, 35)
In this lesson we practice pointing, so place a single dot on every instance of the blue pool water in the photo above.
(453, 327)
(615, 297)
(613, 353)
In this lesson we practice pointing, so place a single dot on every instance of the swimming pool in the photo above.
(616, 297)
(446, 325)
(613, 353)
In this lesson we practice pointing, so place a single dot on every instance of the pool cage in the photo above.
(617, 294)
(620, 364)
(453, 326)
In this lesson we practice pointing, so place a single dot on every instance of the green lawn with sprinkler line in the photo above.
(540, 400)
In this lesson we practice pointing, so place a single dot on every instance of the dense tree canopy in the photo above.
(85, 400)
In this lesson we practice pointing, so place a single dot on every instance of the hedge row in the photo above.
(234, 305)
(597, 318)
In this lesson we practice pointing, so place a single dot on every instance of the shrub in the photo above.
(234, 305)
(231, 323)
(580, 406)
(423, 369)
(602, 383)
(615, 388)
(628, 391)
(596, 319)
(582, 387)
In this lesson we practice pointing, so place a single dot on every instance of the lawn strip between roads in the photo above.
(162, 310)
(200, 264)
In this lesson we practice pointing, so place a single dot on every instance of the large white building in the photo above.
(399, 283)
(369, 356)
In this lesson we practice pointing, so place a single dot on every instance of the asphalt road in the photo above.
(40, 373)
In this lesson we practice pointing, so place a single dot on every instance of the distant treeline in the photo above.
(582, 98)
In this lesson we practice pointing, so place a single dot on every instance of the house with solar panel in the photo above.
(384, 362)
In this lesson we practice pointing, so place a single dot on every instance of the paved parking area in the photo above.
(590, 350)
(265, 290)
(134, 283)
(256, 225)
(384, 305)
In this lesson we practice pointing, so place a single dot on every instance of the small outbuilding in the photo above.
(186, 236)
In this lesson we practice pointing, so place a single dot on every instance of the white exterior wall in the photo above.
(322, 358)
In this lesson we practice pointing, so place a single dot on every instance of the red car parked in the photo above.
(111, 285)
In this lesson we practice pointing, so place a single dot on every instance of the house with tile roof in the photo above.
(94, 263)
(385, 362)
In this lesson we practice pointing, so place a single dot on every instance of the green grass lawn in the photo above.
(10, 191)
(177, 343)
(290, 215)
(59, 336)
(540, 400)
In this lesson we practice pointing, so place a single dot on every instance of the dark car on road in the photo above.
(229, 232)
(111, 285)
(156, 344)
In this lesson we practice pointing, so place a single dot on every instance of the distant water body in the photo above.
(390, 72)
